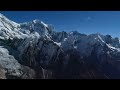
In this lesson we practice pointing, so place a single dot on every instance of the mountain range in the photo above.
(34, 50)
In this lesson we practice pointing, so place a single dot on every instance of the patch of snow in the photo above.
(113, 48)
(71, 33)
(75, 47)
(44, 24)
(59, 44)
(65, 39)
(101, 39)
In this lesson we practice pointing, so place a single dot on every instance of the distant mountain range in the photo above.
(34, 50)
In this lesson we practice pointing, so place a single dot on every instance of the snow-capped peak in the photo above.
(37, 26)
(5, 19)
(9, 29)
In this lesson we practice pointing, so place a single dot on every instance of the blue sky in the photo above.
(104, 22)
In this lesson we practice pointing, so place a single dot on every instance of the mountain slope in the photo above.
(34, 50)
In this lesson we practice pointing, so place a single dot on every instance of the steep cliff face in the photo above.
(35, 50)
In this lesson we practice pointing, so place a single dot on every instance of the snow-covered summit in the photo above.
(9, 29)
(36, 26)
(5, 19)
